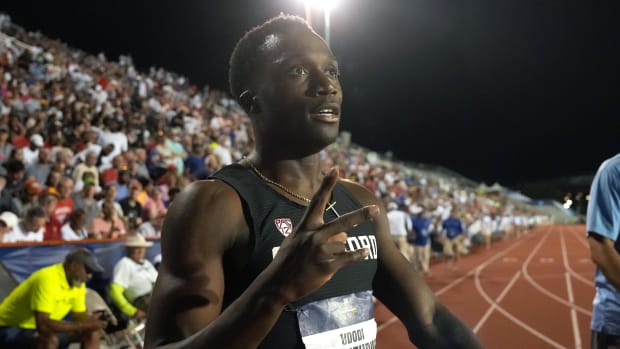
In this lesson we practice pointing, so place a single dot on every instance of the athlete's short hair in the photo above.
(246, 55)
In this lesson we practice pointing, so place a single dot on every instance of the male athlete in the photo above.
(272, 253)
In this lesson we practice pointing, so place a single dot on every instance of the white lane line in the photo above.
(577, 276)
(544, 290)
(573, 313)
(456, 281)
(486, 315)
(392, 320)
(581, 239)
(513, 318)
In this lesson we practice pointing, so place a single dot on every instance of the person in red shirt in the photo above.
(47, 201)
(61, 211)
(64, 206)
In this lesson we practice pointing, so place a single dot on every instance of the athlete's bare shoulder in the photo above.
(206, 217)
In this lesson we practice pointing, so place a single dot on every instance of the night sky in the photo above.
(508, 91)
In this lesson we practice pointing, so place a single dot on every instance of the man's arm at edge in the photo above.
(605, 257)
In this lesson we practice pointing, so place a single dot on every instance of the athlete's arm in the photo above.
(400, 288)
(605, 257)
(204, 234)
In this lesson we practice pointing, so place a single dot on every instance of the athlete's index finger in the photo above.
(314, 214)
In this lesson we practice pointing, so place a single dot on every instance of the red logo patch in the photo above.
(284, 225)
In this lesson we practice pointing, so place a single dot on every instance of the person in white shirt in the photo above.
(30, 228)
(400, 227)
(89, 165)
(8, 220)
(31, 153)
(133, 279)
(114, 136)
(487, 227)
(75, 228)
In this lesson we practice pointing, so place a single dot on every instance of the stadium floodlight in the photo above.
(327, 6)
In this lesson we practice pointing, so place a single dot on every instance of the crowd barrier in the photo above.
(23, 259)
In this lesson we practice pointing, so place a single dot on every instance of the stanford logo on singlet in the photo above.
(284, 225)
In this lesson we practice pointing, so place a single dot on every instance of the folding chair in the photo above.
(131, 337)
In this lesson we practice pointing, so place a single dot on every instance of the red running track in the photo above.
(530, 292)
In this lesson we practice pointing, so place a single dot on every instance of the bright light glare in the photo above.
(568, 204)
(326, 5)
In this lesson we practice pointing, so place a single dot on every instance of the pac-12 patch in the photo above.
(284, 225)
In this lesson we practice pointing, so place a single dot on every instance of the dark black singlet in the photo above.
(269, 216)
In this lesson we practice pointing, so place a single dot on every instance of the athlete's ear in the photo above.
(248, 101)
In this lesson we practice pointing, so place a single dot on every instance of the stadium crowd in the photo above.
(92, 148)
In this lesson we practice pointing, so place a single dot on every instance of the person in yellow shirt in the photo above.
(32, 315)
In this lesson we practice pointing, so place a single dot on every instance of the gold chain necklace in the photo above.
(288, 191)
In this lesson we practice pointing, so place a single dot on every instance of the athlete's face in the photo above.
(299, 94)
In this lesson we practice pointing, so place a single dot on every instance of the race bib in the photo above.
(345, 322)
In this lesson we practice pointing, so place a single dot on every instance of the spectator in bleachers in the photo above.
(85, 199)
(136, 164)
(41, 168)
(7, 202)
(133, 279)
(195, 162)
(8, 220)
(30, 228)
(5, 145)
(452, 238)
(16, 154)
(32, 315)
(90, 145)
(109, 193)
(75, 228)
(63, 208)
(104, 161)
(31, 153)
(108, 225)
(113, 134)
(53, 179)
(65, 204)
(167, 182)
(178, 150)
(28, 196)
(87, 177)
(89, 165)
(130, 205)
(122, 185)
(154, 206)
(222, 151)
(110, 174)
(15, 177)
(212, 161)
(152, 227)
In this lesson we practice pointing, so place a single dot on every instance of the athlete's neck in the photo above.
(302, 176)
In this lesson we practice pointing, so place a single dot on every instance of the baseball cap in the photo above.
(84, 256)
(9, 218)
(37, 140)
